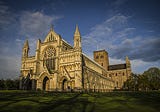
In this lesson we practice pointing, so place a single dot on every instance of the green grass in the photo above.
(27, 101)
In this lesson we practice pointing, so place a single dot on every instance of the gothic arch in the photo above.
(44, 81)
(62, 78)
(42, 75)
(64, 84)
(46, 84)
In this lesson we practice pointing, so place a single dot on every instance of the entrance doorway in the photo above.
(46, 84)
(64, 85)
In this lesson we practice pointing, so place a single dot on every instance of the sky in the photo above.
(121, 27)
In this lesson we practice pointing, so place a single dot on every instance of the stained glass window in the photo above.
(49, 59)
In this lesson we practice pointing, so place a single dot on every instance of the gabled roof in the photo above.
(67, 43)
(93, 61)
(51, 35)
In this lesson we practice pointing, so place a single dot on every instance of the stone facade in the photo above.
(58, 66)
(119, 73)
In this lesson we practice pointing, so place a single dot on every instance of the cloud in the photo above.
(138, 66)
(113, 61)
(6, 17)
(120, 40)
(118, 3)
(34, 24)
(115, 6)
(9, 67)
(23, 25)
(148, 50)
(10, 59)
(106, 34)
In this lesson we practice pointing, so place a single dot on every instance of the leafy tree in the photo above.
(9, 84)
(149, 80)
(153, 75)
(143, 83)
(132, 83)
(2, 84)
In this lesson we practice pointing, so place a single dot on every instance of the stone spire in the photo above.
(26, 44)
(127, 60)
(77, 38)
(128, 67)
(25, 49)
(77, 33)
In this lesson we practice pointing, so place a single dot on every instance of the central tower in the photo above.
(101, 57)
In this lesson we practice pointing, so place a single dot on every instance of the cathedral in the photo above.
(58, 66)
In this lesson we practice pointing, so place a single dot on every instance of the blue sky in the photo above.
(122, 27)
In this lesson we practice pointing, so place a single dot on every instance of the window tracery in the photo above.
(49, 59)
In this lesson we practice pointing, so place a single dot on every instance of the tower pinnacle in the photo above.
(51, 27)
(26, 44)
(77, 38)
(77, 33)
(127, 61)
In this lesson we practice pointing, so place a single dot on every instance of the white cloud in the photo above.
(10, 66)
(120, 40)
(113, 61)
(34, 24)
(139, 66)
(106, 34)
(121, 19)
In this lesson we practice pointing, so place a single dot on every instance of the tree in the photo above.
(132, 83)
(149, 80)
(2, 84)
(9, 84)
(143, 82)
(153, 76)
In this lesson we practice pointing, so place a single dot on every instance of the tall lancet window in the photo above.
(49, 59)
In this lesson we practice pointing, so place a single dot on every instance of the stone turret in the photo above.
(25, 49)
(128, 66)
(77, 39)
(38, 48)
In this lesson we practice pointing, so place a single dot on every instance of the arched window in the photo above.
(102, 56)
(49, 59)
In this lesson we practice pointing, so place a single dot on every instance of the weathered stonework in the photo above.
(57, 66)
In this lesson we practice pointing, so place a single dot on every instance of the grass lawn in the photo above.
(26, 101)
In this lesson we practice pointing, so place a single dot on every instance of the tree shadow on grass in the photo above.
(74, 104)
(130, 101)
(67, 102)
